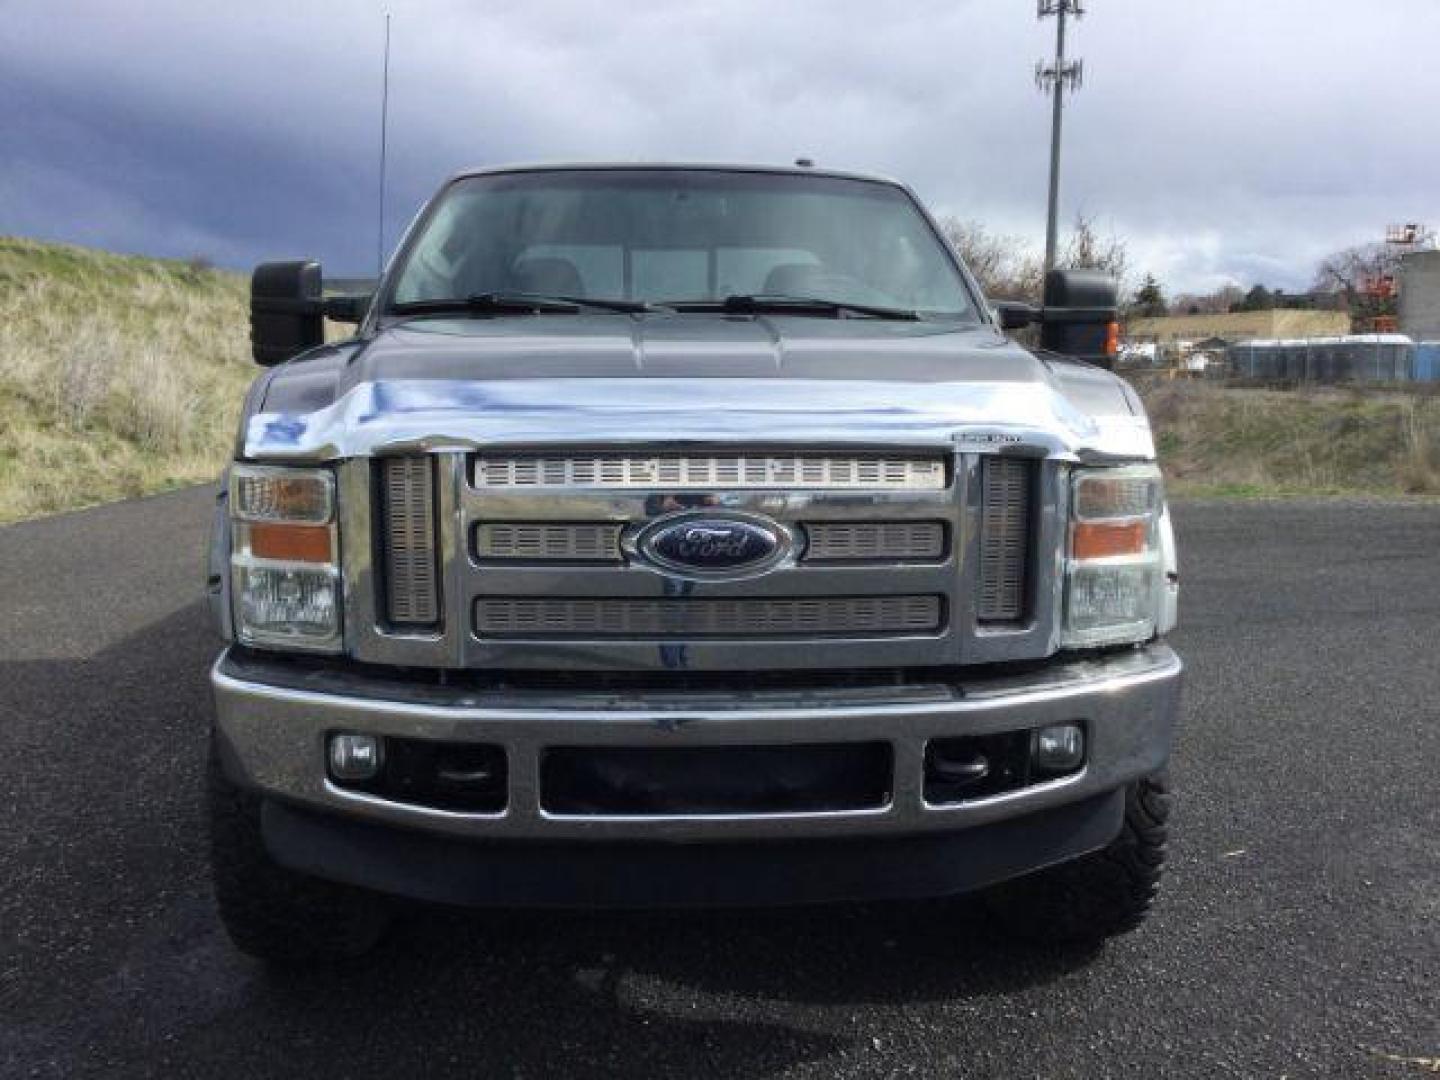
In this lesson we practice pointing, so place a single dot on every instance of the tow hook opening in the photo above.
(973, 767)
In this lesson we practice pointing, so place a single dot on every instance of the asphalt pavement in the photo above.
(1298, 933)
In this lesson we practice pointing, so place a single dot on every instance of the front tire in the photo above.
(1099, 895)
(272, 913)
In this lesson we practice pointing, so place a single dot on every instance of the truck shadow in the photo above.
(894, 953)
(118, 955)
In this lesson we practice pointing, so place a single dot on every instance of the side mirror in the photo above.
(1080, 315)
(287, 314)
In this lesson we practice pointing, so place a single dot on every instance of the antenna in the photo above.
(384, 123)
(1055, 79)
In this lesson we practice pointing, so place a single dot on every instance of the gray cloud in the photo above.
(1227, 140)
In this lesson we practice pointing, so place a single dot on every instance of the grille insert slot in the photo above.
(874, 541)
(805, 471)
(1007, 485)
(749, 618)
(524, 542)
(407, 497)
(636, 782)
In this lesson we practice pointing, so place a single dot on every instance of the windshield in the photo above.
(678, 235)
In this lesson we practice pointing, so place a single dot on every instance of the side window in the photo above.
(430, 273)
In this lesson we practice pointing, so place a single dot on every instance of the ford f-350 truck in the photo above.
(685, 535)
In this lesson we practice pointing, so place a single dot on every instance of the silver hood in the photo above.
(688, 380)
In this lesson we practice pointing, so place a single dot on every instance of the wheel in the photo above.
(1099, 895)
(273, 913)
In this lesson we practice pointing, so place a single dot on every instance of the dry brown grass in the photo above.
(119, 376)
(1218, 441)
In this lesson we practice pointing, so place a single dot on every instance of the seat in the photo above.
(547, 275)
(792, 279)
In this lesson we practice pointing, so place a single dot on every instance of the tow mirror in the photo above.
(1080, 313)
(286, 311)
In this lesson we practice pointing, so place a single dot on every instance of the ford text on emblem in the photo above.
(714, 546)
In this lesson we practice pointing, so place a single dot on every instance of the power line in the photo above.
(1055, 79)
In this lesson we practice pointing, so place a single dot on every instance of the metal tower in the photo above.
(1055, 79)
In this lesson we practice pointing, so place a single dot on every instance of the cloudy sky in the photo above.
(1227, 140)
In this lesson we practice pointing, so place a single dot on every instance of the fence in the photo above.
(1361, 358)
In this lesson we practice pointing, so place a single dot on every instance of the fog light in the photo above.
(355, 757)
(1058, 749)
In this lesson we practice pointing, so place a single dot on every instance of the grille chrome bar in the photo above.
(1004, 539)
(748, 618)
(523, 542)
(408, 527)
(806, 471)
(874, 541)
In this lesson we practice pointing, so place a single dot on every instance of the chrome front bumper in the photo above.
(271, 730)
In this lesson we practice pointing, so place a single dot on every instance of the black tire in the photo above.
(1099, 895)
(272, 913)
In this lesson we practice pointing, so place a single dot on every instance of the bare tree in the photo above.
(1365, 276)
(1009, 269)
(1006, 268)
(1353, 270)
(1087, 249)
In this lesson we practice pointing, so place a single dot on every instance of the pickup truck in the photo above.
(686, 535)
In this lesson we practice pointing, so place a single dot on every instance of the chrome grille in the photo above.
(808, 471)
(408, 526)
(577, 542)
(1004, 539)
(874, 541)
(543, 617)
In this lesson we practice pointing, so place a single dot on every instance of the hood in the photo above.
(682, 380)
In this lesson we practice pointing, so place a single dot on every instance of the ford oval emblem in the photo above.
(714, 546)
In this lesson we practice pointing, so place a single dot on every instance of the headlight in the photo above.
(285, 573)
(1113, 572)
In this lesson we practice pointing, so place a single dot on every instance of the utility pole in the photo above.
(1055, 79)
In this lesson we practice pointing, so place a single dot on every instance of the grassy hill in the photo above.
(119, 376)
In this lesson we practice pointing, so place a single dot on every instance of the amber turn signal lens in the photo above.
(292, 543)
(1112, 339)
(1103, 540)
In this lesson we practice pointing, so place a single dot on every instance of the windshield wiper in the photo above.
(606, 303)
(758, 303)
(518, 303)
